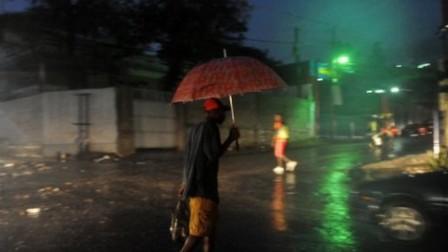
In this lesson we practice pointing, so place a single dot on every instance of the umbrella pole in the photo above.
(237, 144)
(232, 109)
(224, 52)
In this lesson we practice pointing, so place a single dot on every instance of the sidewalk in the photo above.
(409, 164)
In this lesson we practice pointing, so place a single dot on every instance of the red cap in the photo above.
(213, 104)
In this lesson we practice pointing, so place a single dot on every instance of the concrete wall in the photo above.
(48, 120)
(154, 124)
(123, 120)
(21, 121)
(61, 114)
(159, 124)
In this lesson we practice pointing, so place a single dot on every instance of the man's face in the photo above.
(218, 115)
(221, 116)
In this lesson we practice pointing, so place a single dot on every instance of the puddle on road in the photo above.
(336, 223)
(278, 205)
(283, 185)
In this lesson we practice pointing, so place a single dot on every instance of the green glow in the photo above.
(342, 63)
(394, 89)
(343, 60)
(380, 91)
(369, 91)
(304, 112)
(399, 66)
(336, 226)
(320, 79)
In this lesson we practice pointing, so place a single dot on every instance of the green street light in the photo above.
(343, 63)
(379, 91)
(343, 60)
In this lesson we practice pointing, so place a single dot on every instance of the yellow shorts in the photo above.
(203, 216)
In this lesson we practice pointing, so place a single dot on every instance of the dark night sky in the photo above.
(13, 5)
(406, 28)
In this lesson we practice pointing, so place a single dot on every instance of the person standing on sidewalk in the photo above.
(200, 178)
(280, 142)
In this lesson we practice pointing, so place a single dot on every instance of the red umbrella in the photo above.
(226, 77)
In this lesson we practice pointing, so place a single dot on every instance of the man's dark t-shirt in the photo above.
(201, 162)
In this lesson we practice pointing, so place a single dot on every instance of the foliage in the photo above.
(194, 31)
(440, 163)
(99, 34)
(108, 21)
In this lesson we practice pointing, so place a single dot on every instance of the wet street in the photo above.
(126, 205)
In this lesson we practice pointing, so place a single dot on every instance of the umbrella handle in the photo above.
(232, 111)
(237, 144)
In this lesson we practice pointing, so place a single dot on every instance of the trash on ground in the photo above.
(9, 165)
(101, 159)
(33, 212)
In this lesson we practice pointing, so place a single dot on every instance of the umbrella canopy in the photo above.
(225, 77)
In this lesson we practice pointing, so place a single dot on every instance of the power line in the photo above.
(284, 43)
(270, 41)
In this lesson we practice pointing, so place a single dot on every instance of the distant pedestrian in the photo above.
(200, 179)
(280, 143)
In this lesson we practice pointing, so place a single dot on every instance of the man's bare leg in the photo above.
(190, 244)
(209, 243)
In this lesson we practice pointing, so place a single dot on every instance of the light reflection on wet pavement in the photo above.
(307, 210)
(335, 227)
(85, 206)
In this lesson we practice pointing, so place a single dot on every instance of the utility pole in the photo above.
(444, 28)
(443, 96)
(295, 47)
(335, 91)
(442, 140)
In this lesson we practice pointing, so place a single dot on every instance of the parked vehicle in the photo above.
(405, 209)
(417, 129)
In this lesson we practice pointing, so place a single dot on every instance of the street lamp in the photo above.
(343, 60)
(394, 90)
(342, 63)
(424, 65)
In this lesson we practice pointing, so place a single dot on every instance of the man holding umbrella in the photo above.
(222, 77)
(200, 178)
